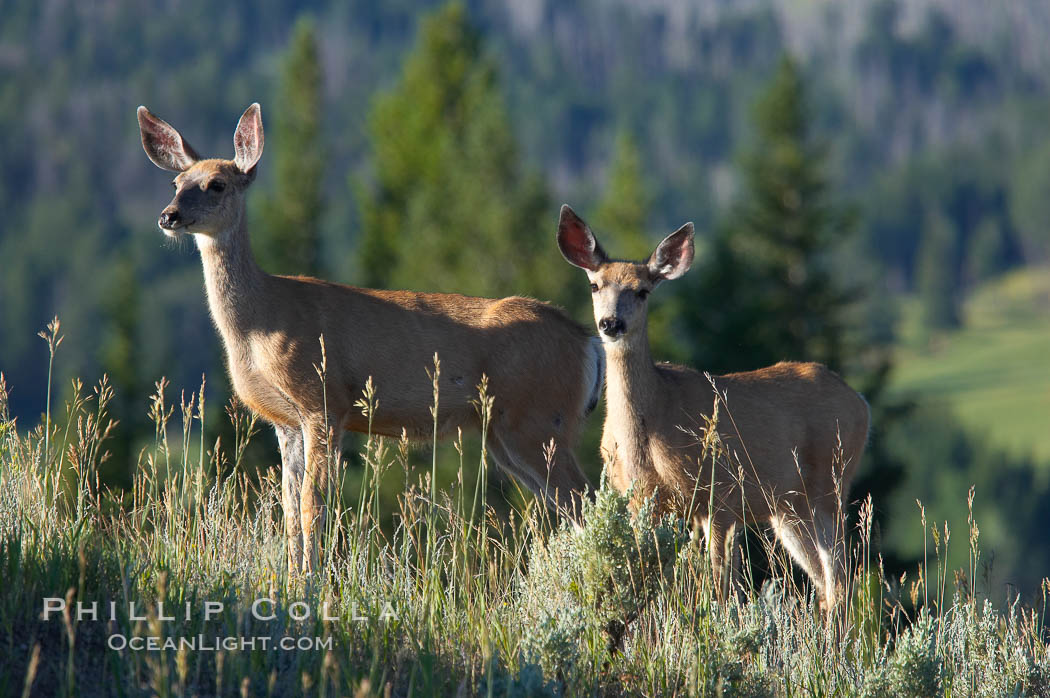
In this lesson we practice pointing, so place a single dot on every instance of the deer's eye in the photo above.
(594, 288)
(643, 294)
(216, 185)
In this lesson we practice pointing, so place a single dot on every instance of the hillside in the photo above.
(992, 373)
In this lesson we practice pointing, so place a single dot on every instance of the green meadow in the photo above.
(992, 372)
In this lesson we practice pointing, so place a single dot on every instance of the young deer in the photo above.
(782, 422)
(544, 370)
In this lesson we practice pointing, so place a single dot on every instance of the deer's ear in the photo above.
(163, 144)
(248, 140)
(674, 255)
(577, 243)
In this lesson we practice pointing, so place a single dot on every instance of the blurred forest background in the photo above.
(870, 183)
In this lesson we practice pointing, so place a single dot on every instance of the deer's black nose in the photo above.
(611, 327)
(169, 218)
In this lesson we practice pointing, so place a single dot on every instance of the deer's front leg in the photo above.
(293, 466)
(316, 487)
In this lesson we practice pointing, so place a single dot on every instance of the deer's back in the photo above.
(524, 347)
(764, 418)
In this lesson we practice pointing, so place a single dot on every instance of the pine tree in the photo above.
(121, 360)
(287, 231)
(986, 253)
(621, 214)
(621, 219)
(768, 291)
(937, 273)
(450, 208)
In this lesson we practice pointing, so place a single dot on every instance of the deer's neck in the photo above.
(630, 389)
(233, 280)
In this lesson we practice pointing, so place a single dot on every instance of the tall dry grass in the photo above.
(450, 599)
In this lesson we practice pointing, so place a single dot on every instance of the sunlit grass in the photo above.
(453, 599)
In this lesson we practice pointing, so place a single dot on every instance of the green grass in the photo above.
(482, 604)
(993, 373)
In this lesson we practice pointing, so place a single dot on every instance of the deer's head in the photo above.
(209, 193)
(619, 289)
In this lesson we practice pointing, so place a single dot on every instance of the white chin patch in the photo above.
(173, 232)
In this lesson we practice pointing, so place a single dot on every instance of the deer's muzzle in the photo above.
(170, 218)
(611, 327)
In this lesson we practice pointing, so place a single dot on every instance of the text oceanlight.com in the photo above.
(203, 643)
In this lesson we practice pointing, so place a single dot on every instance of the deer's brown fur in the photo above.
(794, 432)
(544, 370)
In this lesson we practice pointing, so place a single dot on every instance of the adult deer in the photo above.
(544, 370)
(783, 422)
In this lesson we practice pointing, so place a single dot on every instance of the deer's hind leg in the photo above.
(800, 536)
(832, 562)
(554, 476)
(293, 466)
(720, 535)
